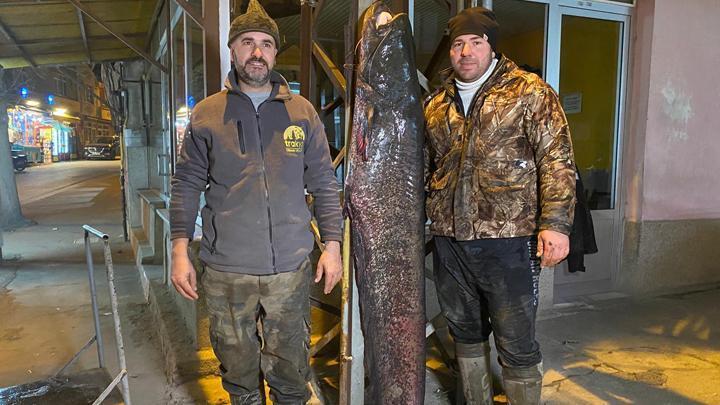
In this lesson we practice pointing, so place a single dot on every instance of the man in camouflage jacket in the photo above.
(501, 188)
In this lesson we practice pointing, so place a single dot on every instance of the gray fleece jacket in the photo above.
(254, 167)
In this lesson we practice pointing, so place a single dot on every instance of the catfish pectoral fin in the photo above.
(364, 137)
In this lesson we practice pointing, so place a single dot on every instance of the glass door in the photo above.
(591, 65)
(523, 27)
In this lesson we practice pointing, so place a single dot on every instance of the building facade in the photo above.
(633, 84)
(59, 111)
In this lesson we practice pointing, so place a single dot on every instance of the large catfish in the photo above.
(384, 199)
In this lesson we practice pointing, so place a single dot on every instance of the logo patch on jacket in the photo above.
(294, 137)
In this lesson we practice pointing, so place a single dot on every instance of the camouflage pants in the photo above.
(261, 324)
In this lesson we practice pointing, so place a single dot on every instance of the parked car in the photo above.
(105, 147)
(19, 158)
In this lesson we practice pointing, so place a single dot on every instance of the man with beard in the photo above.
(501, 190)
(254, 149)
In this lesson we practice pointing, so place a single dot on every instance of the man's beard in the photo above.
(256, 79)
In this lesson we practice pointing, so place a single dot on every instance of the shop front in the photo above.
(40, 136)
(23, 131)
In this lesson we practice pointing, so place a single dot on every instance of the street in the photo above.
(73, 188)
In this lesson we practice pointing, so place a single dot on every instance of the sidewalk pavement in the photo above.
(652, 350)
(45, 311)
(46, 316)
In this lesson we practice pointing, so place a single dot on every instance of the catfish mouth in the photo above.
(384, 32)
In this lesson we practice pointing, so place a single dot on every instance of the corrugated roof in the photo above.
(48, 32)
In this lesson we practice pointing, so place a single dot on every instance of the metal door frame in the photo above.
(608, 12)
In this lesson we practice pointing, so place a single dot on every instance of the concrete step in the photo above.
(141, 246)
(182, 361)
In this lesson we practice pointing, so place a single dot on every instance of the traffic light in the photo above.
(24, 92)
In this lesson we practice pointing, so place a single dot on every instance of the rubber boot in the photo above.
(474, 362)
(523, 386)
(251, 398)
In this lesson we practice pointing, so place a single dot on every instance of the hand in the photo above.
(330, 265)
(552, 247)
(183, 273)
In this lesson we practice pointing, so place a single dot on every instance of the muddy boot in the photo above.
(474, 362)
(251, 398)
(523, 385)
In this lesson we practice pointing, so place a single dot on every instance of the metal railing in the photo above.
(122, 376)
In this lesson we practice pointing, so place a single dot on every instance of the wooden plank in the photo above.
(332, 71)
(191, 12)
(331, 106)
(339, 158)
(316, 233)
(327, 338)
(352, 346)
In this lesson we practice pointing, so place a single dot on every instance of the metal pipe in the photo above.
(223, 32)
(76, 356)
(93, 294)
(23, 52)
(116, 321)
(488, 4)
(109, 388)
(170, 38)
(95, 232)
(119, 36)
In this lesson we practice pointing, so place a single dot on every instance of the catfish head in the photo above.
(386, 59)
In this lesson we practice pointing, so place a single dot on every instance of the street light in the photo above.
(32, 103)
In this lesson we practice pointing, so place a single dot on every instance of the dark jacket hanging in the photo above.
(582, 235)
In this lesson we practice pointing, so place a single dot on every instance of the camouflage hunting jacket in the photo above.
(507, 169)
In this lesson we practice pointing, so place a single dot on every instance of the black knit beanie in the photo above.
(475, 20)
(254, 19)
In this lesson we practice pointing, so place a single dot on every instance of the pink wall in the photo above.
(637, 107)
(680, 176)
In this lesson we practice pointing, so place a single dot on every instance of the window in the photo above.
(60, 84)
(90, 95)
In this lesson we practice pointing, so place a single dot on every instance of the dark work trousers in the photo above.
(261, 324)
(491, 285)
